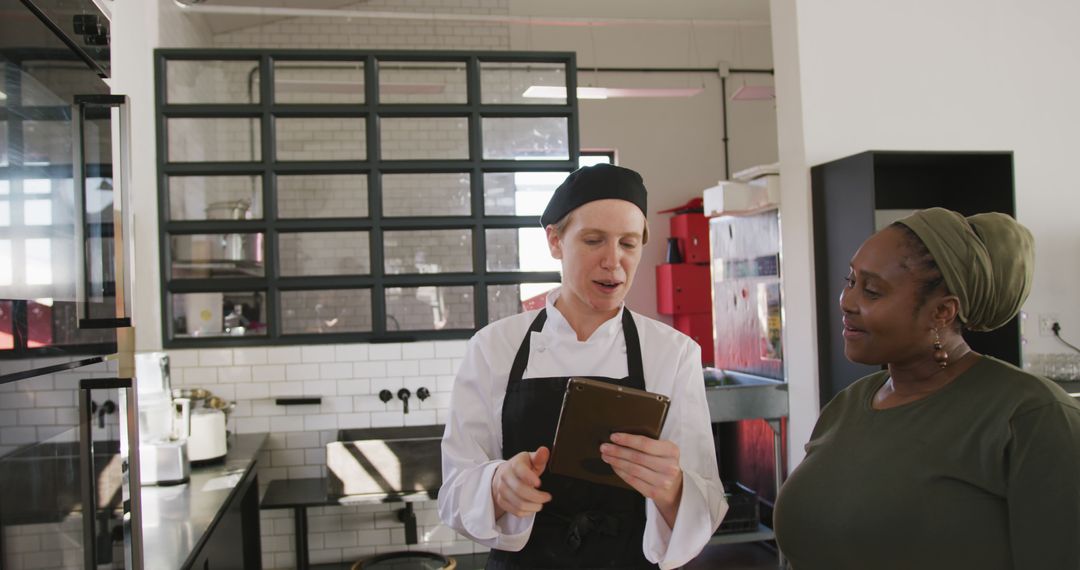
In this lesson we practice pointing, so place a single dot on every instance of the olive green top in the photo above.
(984, 473)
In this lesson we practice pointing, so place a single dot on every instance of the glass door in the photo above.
(64, 464)
(58, 216)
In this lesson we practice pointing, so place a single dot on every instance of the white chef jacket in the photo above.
(472, 442)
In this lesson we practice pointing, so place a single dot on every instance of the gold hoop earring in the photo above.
(940, 355)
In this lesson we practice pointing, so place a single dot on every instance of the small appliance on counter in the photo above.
(206, 442)
(201, 419)
(163, 456)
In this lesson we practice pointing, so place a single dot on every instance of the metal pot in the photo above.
(229, 210)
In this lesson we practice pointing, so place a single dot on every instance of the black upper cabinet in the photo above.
(855, 195)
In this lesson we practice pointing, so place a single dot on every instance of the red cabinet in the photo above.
(693, 232)
(682, 288)
(698, 326)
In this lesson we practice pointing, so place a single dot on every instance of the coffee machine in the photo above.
(163, 456)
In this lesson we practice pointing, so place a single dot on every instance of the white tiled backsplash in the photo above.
(348, 378)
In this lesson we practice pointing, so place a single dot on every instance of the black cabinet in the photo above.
(853, 196)
(232, 543)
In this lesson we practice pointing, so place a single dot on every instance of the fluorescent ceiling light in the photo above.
(559, 92)
(754, 93)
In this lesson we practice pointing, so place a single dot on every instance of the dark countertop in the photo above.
(312, 491)
(175, 518)
(1070, 386)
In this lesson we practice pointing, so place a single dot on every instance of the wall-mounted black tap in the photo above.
(385, 395)
(109, 407)
(423, 393)
(403, 395)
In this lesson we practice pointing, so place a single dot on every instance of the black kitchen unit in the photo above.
(856, 195)
(69, 492)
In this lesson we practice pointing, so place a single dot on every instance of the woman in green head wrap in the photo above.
(946, 458)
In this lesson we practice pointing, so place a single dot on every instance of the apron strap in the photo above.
(635, 371)
(521, 360)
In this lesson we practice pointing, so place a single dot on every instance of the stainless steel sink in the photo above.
(736, 396)
(385, 461)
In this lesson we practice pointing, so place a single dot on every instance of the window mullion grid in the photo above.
(160, 86)
(476, 194)
(573, 138)
(476, 221)
(375, 238)
(268, 144)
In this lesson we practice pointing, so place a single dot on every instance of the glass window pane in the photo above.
(215, 197)
(205, 81)
(519, 193)
(37, 212)
(322, 196)
(214, 140)
(326, 311)
(520, 249)
(324, 253)
(427, 251)
(441, 194)
(429, 308)
(3, 143)
(509, 300)
(39, 262)
(201, 256)
(424, 138)
(526, 138)
(422, 82)
(299, 82)
(331, 138)
(7, 310)
(46, 142)
(522, 83)
(219, 314)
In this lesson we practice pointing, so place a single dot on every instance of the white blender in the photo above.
(163, 457)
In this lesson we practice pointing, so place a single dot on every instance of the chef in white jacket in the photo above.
(509, 390)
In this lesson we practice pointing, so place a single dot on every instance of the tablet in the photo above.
(591, 411)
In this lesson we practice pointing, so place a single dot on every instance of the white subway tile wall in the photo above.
(32, 411)
(347, 378)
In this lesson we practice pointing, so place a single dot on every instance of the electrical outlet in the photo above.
(1046, 324)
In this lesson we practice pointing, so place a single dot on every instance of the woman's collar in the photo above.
(557, 323)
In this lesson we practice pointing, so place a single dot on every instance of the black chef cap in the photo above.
(596, 182)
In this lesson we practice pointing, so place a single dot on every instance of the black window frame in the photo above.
(266, 110)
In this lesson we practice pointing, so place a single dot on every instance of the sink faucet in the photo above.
(403, 395)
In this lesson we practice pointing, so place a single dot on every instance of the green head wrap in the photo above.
(987, 261)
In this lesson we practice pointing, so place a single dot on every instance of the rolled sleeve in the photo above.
(702, 505)
(472, 513)
(471, 452)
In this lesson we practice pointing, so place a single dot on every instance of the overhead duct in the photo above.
(201, 7)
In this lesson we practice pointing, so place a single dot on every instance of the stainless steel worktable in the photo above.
(176, 520)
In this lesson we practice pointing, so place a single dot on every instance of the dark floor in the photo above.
(746, 556)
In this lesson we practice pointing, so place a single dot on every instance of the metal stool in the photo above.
(406, 560)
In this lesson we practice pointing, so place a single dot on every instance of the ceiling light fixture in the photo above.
(754, 93)
(559, 92)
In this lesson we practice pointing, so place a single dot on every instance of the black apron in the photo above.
(585, 525)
